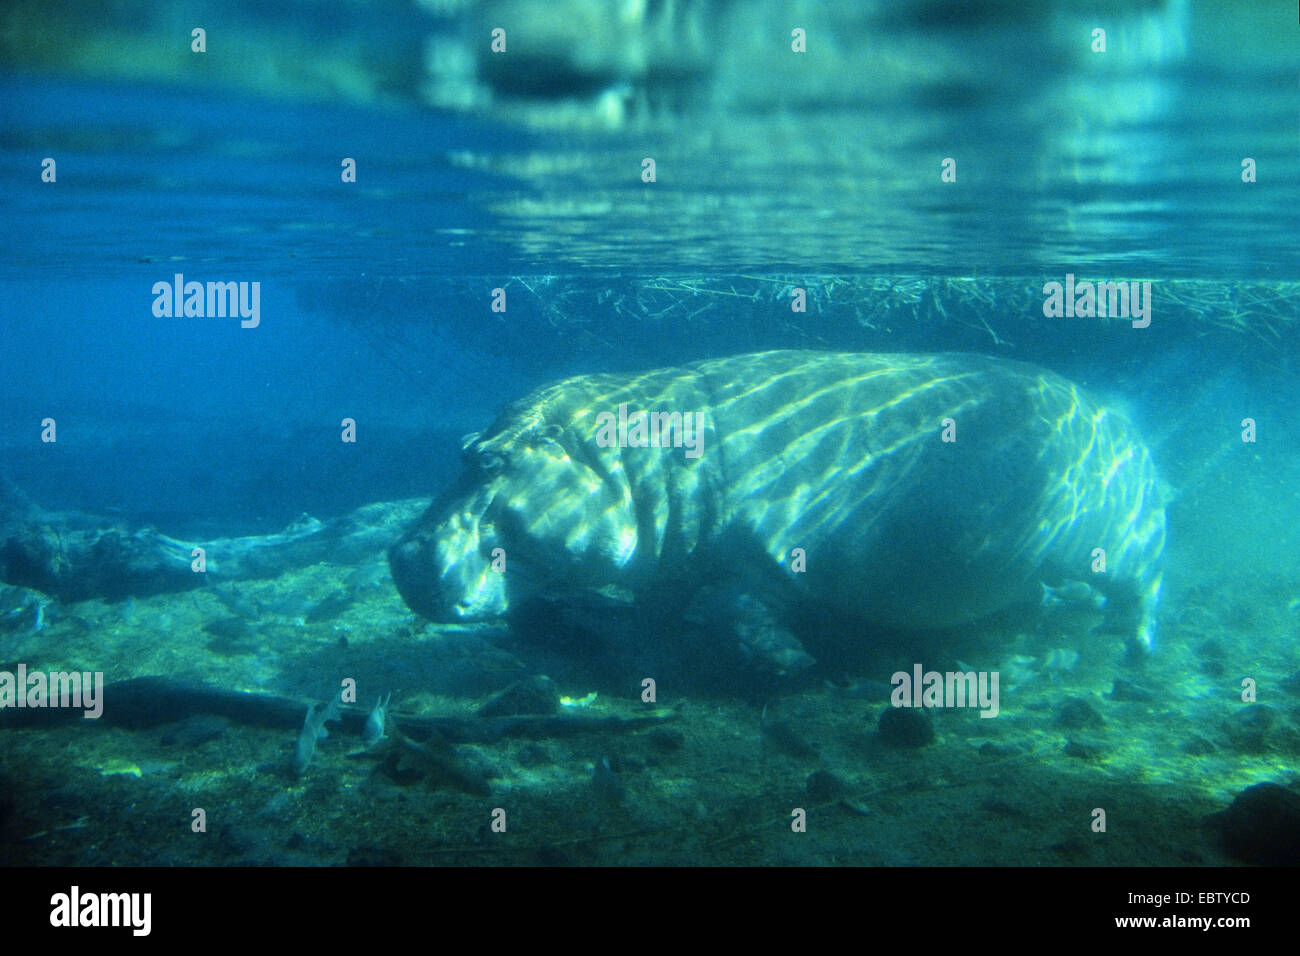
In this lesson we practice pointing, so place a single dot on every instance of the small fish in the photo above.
(27, 610)
(366, 576)
(313, 729)
(374, 730)
(439, 763)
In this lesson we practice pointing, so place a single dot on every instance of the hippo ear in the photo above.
(476, 456)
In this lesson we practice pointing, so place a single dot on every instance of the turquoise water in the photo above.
(376, 305)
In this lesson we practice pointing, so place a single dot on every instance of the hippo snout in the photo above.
(414, 574)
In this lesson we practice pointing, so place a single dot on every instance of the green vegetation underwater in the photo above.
(663, 432)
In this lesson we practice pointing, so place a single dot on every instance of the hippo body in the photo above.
(904, 491)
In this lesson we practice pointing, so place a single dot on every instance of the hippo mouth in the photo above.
(462, 585)
(415, 577)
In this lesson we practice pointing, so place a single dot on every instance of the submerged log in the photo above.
(143, 702)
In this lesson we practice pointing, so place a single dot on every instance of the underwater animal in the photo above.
(313, 729)
(375, 722)
(903, 491)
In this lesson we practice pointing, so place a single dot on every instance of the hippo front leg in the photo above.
(746, 622)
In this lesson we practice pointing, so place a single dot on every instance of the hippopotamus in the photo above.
(904, 491)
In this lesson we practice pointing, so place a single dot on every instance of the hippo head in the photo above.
(532, 513)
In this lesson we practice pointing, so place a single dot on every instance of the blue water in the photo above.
(376, 306)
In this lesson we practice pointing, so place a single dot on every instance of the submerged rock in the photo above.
(1077, 713)
(534, 695)
(1262, 826)
(825, 787)
(1127, 690)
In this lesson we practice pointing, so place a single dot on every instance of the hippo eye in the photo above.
(490, 462)
(548, 433)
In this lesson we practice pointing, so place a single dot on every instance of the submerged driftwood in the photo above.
(143, 702)
(76, 557)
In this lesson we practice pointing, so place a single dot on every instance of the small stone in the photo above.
(1077, 713)
(1248, 729)
(1083, 749)
(535, 695)
(824, 787)
(1198, 747)
(906, 727)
